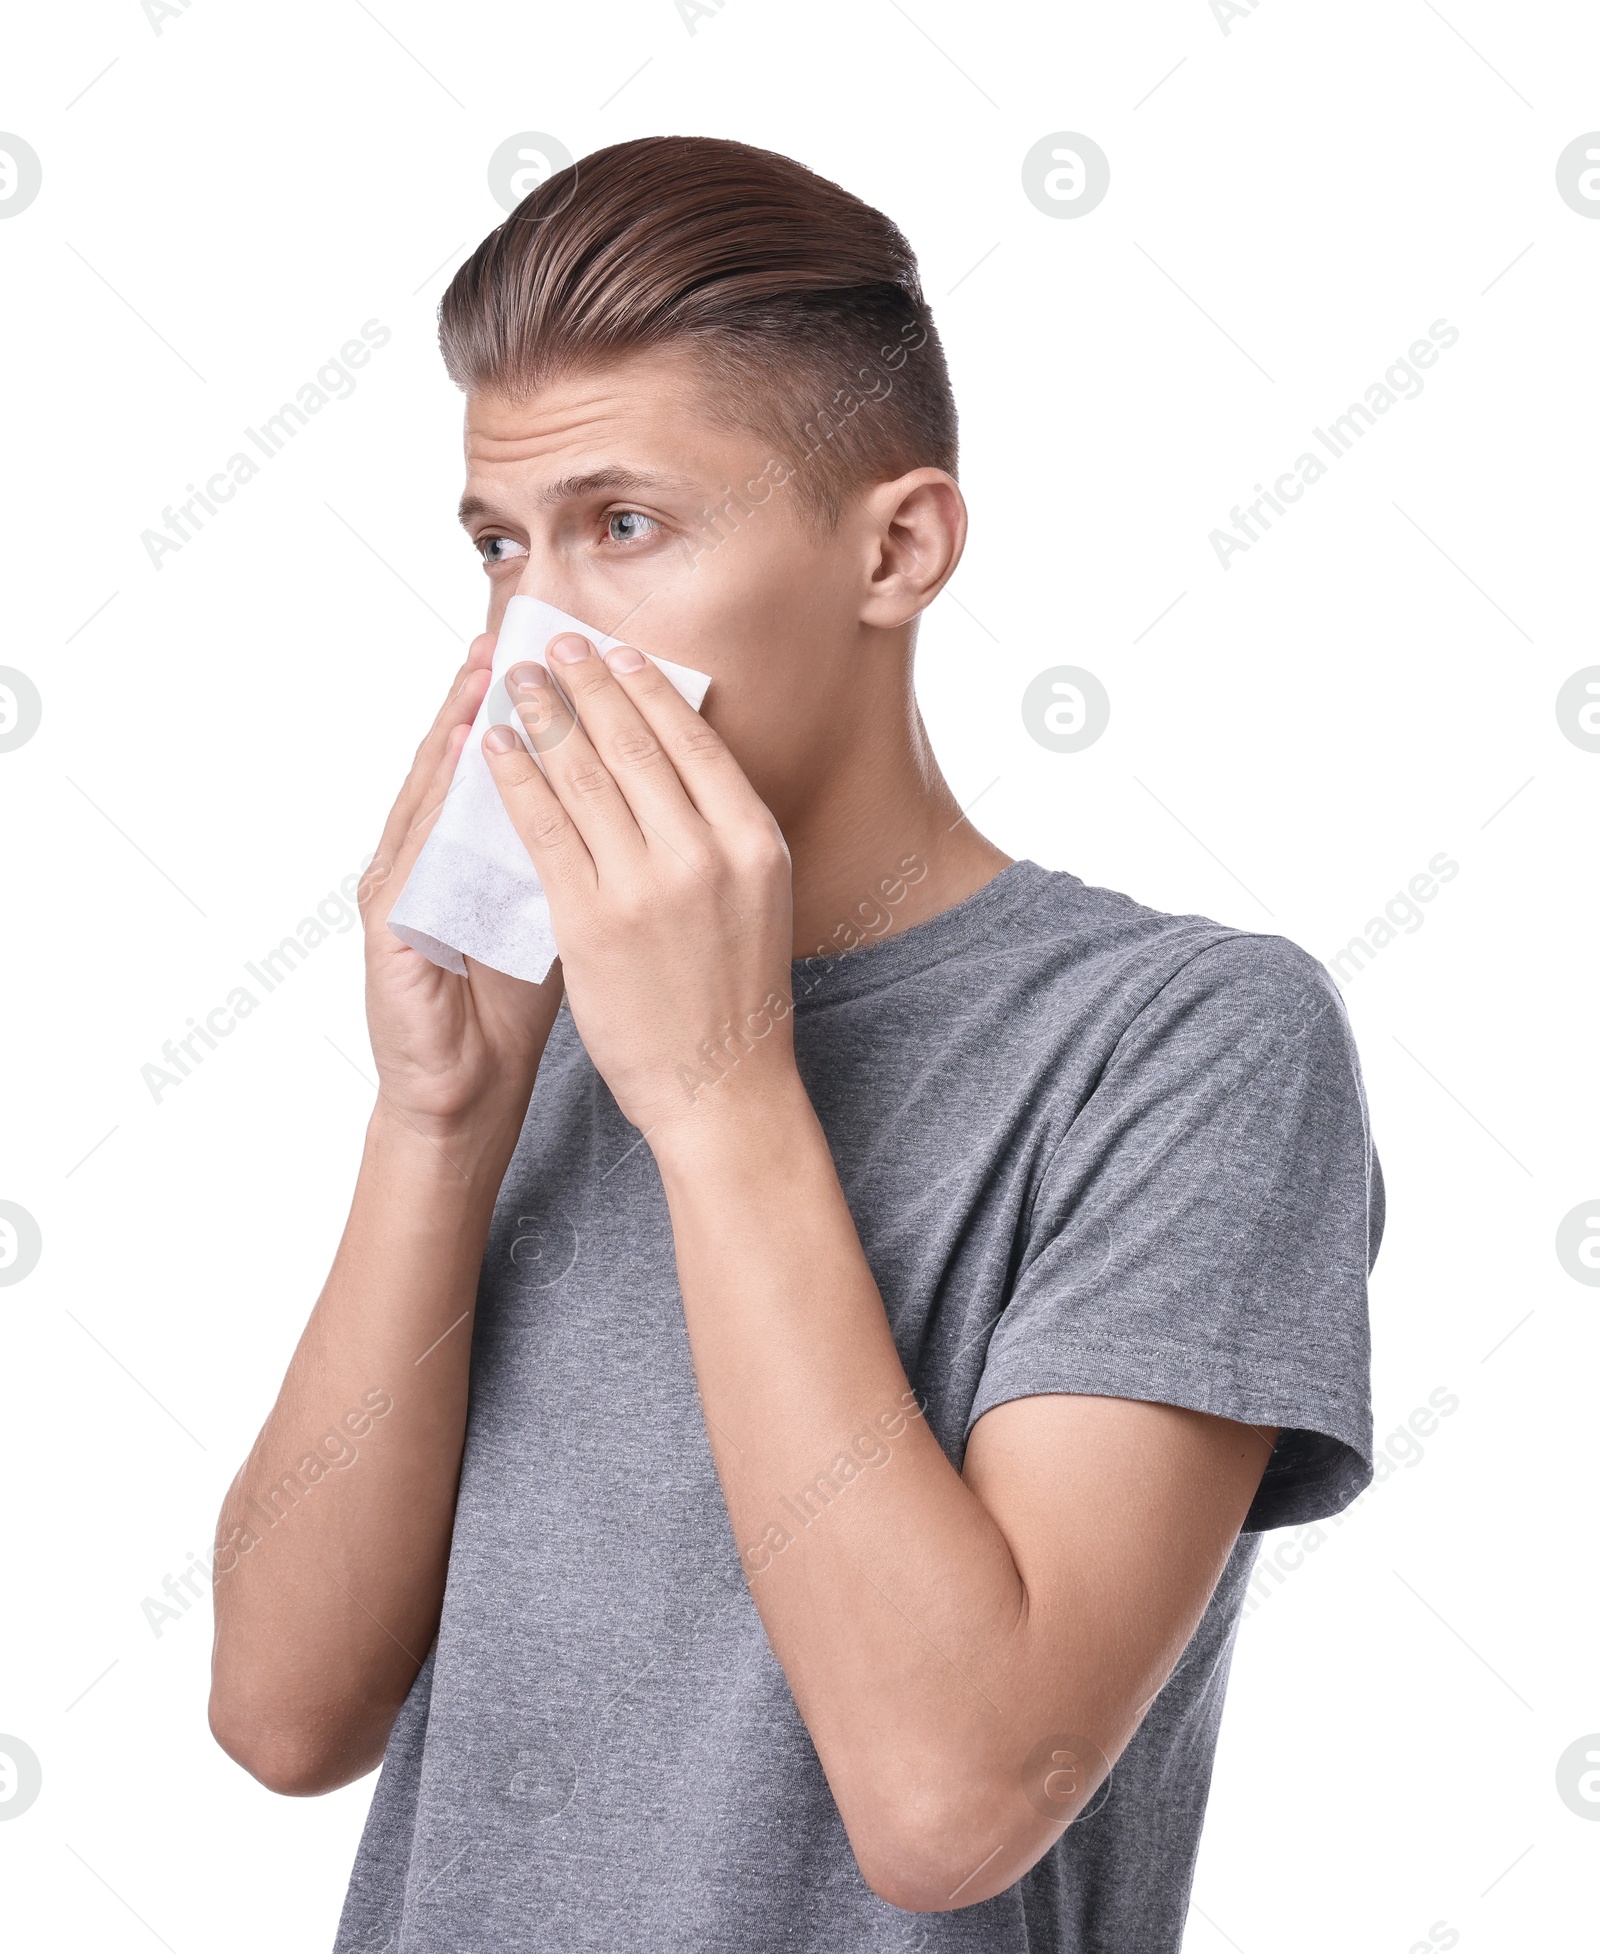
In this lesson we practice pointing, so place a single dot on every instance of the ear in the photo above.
(918, 529)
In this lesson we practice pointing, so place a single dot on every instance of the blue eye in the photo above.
(627, 526)
(500, 549)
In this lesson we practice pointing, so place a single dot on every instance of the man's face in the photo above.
(622, 496)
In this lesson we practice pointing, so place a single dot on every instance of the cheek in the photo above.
(779, 581)
(781, 681)
(755, 613)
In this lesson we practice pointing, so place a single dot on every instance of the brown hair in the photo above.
(802, 304)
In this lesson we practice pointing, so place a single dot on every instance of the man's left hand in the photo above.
(668, 881)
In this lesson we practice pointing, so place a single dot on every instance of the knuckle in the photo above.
(764, 854)
(539, 714)
(549, 827)
(592, 782)
(704, 864)
(635, 905)
(517, 769)
(636, 749)
(549, 731)
(696, 742)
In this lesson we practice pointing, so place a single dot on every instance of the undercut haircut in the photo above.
(801, 305)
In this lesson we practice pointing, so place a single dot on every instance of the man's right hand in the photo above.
(452, 1052)
(330, 1584)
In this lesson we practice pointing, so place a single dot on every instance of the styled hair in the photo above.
(801, 304)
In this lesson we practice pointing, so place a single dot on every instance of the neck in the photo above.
(883, 845)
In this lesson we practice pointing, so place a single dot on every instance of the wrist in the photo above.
(467, 1156)
(738, 1129)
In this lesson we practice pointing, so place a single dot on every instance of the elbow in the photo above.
(899, 1883)
(295, 1762)
(938, 1855)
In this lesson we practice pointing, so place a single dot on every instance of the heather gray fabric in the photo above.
(1089, 1148)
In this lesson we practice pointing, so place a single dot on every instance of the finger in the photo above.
(460, 708)
(555, 845)
(460, 705)
(711, 777)
(513, 1006)
(625, 740)
(385, 875)
(581, 780)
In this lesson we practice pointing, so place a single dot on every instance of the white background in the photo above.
(228, 200)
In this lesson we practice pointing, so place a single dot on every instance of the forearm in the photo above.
(889, 1594)
(334, 1537)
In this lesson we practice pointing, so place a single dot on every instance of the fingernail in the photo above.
(623, 658)
(500, 739)
(569, 649)
(526, 678)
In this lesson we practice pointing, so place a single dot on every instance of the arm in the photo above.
(333, 1539)
(937, 1629)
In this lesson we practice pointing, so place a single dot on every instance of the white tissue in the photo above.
(472, 891)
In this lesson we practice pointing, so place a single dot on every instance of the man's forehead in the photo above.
(651, 398)
(624, 431)
(551, 415)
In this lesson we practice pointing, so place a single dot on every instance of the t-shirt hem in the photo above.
(1343, 1467)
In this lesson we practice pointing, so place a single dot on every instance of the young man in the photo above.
(809, 1378)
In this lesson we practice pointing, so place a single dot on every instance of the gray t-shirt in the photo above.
(1089, 1147)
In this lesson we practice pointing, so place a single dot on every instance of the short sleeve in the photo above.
(1203, 1232)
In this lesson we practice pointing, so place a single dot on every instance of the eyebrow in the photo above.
(571, 488)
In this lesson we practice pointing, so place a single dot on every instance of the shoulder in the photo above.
(1154, 958)
(1259, 974)
(1243, 1002)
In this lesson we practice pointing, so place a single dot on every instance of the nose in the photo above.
(547, 576)
(540, 576)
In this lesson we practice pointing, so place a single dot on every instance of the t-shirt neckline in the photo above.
(823, 979)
